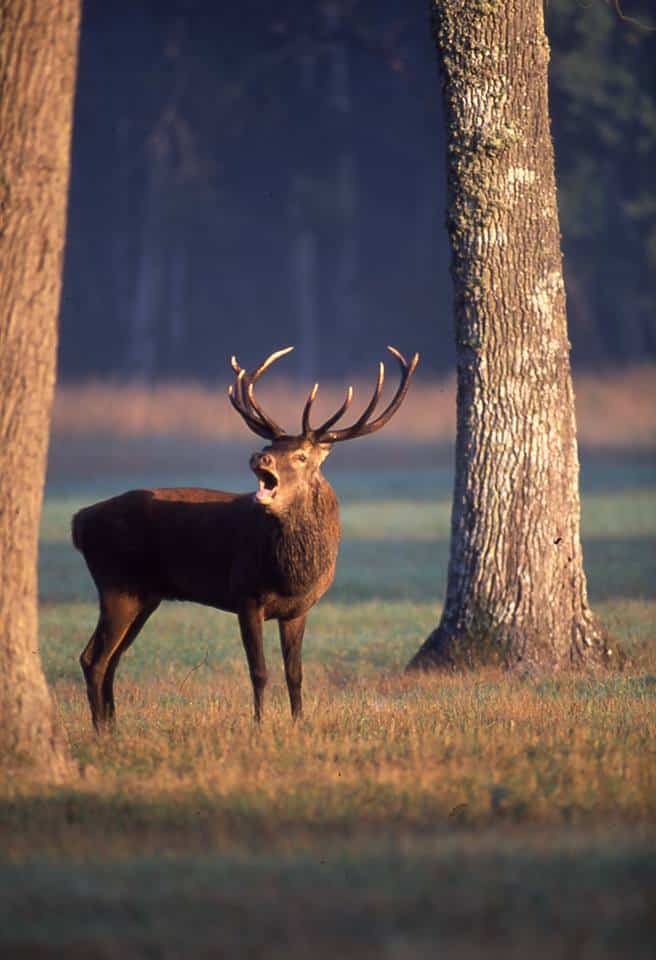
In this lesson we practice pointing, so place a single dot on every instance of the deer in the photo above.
(265, 555)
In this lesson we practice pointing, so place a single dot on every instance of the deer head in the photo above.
(289, 466)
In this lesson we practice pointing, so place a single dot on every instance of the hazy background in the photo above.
(251, 175)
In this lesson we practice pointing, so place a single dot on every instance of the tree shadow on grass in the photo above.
(111, 877)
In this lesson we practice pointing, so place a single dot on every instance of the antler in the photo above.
(242, 397)
(362, 425)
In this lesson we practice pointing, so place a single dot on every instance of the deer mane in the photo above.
(307, 537)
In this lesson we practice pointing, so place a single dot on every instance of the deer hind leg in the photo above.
(121, 618)
(291, 639)
(128, 640)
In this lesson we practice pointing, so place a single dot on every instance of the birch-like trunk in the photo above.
(38, 53)
(516, 592)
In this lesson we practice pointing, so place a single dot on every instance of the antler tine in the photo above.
(361, 428)
(305, 425)
(373, 403)
(362, 419)
(243, 399)
(252, 403)
(264, 417)
(320, 431)
(257, 373)
(399, 356)
(244, 395)
(259, 428)
(240, 392)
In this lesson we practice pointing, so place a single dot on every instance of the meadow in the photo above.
(476, 815)
(615, 409)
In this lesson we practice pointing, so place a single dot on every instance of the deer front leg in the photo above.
(251, 625)
(291, 639)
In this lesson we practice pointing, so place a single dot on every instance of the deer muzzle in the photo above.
(262, 466)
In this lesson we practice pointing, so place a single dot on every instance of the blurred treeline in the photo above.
(251, 175)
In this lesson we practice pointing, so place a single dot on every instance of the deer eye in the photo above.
(301, 457)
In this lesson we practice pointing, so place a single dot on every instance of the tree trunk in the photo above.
(38, 52)
(516, 592)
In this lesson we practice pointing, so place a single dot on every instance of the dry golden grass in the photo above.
(615, 409)
(493, 817)
(497, 818)
(393, 754)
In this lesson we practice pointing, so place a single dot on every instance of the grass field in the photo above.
(476, 815)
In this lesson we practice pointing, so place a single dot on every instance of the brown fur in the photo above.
(226, 550)
(263, 556)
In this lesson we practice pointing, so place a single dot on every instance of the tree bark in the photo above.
(516, 592)
(38, 53)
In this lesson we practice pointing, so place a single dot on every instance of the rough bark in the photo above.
(516, 592)
(38, 52)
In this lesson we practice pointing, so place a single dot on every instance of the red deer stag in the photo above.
(268, 555)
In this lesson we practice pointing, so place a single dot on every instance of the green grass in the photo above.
(484, 815)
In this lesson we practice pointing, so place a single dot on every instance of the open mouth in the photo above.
(267, 485)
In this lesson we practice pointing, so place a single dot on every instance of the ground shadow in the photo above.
(110, 877)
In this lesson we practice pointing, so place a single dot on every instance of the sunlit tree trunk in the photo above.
(516, 592)
(38, 52)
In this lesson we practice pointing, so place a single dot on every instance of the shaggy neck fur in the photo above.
(307, 540)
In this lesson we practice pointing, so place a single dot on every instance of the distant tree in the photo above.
(603, 105)
(516, 592)
(281, 113)
(38, 52)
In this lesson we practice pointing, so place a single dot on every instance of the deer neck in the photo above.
(308, 538)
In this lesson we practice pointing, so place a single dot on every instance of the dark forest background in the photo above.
(251, 175)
